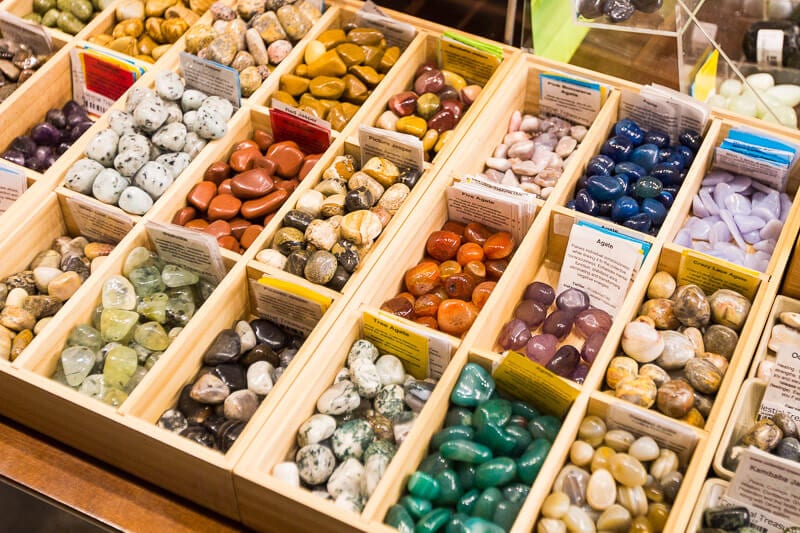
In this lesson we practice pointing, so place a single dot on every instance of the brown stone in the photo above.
(218, 228)
(197, 223)
(265, 163)
(229, 243)
(287, 185)
(238, 225)
(252, 183)
(288, 158)
(263, 206)
(308, 164)
(263, 139)
(241, 160)
(225, 187)
(201, 194)
(224, 206)
(250, 235)
(184, 215)
(64, 285)
(217, 172)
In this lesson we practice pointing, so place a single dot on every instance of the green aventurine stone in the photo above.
(451, 433)
(422, 485)
(85, 335)
(647, 187)
(416, 507)
(466, 474)
(496, 472)
(398, 518)
(450, 488)
(118, 293)
(117, 325)
(479, 525)
(433, 521)
(522, 436)
(529, 464)
(544, 427)
(516, 492)
(146, 280)
(465, 451)
(497, 412)
(487, 503)
(457, 523)
(433, 464)
(152, 336)
(180, 305)
(77, 362)
(458, 416)
(474, 385)
(524, 410)
(154, 307)
(496, 438)
(506, 513)
(466, 504)
(120, 365)
(175, 276)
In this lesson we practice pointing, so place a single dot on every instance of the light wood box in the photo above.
(713, 489)
(763, 353)
(22, 207)
(21, 8)
(791, 283)
(743, 417)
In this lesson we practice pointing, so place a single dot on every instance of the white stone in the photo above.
(316, 429)
(259, 377)
(390, 370)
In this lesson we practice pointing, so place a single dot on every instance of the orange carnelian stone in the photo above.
(476, 232)
(422, 278)
(408, 296)
(499, 246)
(456, 316)
(459, 286)
(449, 268)
(455, 227)
(399, 306)
(443, 245)
(495, 268)
(440, 292)
(476, 269)
(469, 252)
(427, 305)
(482, 292)
(427, 321)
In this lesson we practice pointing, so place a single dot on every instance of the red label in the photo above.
(105, 78)
(312, 139)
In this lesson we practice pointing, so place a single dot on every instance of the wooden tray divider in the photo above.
(743, 416)
(763, 353)
(713, 489)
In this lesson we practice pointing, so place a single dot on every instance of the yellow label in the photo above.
(298, 290)
(707, 273)
(705, 81)
(409, 346)
(529, 381)
(474, 65)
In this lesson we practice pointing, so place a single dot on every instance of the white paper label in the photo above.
(285, 308)
(769, 487)
(401, 149)
(397, 33)
(667, 433)
(783, 390)
(599, 264)
(211, 78)
(20, 30)
(773, 175)
(769, 48)
(12, 185)
(99, 222)
(571, 99)
(195, 251)
(658, 108)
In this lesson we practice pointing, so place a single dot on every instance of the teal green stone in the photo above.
(523, 409)
(474, 385)
(497, 412)
(433, 521)
(451, 433)
(450, 486)
(120, 365)
(398, 518)
(180, 306)
(466, 474)
(647, 187)
(152, 336)
(466, 504)
(479, 525)
(117, 325)
(465, 451)
(506, 513)
(458, 416)
(85, 335)
(529, 464)
(146, 280)
(433, 464)
(487, 503)
(175, 276)
(416, 507)
(521, 436)
(457, 524)
(154, 307)
(424, 486)
(516, 492)
(496, 438)
(546, 427)
(495, 473)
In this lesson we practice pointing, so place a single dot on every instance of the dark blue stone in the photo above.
(692, 139)
(686, 153)
(667, 173)
(570, 204)
(581, 184)
(630, 168)
(666, 198)
(641, 222)
(605, 187)
(655, 209)
(585, 203)
(624, 208)
(599, 165)
(678, 159)
(618, 148)
(604, 208)
(672, 189)
(659, 138)
(645, 156)
(625, 180)
(628, 128)
(647, 6)
(665, 153)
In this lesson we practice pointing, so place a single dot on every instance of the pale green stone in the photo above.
(180, 306)
(96, 315)
(118, 293)
(120, 365)
(138, 257)
(77, 362)
(152, 336)
(136, 378)
(85, 335)
(58, 375)
(152, 360)
(154, 307)
(174, 332)
(175, 276)
(114, 397)
(94, 386)
(146, 280)
(204, 289)
(117, 324)
(142, 353)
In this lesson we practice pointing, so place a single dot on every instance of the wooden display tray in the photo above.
(743, 417)
(21, 8)
(713, 489)
(791, 283)
(763, 353)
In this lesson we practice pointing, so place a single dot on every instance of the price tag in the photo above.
(99, 79)
(769, 486)
(195, 251)
(464, 57)
(99, 222)
(424, 352)
(668, 433)
(402, 149)
(783, 390)
(20, 30)
(211, 78)
(312, 135)
(601, 264)
(396, 33)
(573, 99)
(288, 304)
(13, 184)
(705, 272)
(529, 381)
